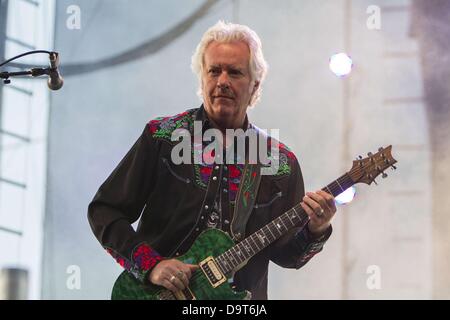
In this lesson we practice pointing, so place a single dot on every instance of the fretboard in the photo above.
(234, 258)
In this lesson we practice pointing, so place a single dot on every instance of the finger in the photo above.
(177, 282)
(309, 211)
(182, 276)
(186, 271)
(313, 205)
(168, 285)
(329, 199)
(319, 199)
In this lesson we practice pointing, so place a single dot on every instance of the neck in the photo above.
(224, 125)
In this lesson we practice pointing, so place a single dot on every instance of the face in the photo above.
(226, 83)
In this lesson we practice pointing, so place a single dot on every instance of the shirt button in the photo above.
(196, 229)
(225, 168)
(206, 207)
(225, 190)
(217, 167)
(202, 217)
(225, 179)
(226, 221)
(177, 254)
(214, 178)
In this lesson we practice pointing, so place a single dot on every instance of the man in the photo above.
(176, 202)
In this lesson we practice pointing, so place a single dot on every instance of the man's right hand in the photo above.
(172, 274)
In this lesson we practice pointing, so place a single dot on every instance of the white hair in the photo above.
(227, 32)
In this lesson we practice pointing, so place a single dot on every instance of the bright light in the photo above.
(346, 196)
(341, 64)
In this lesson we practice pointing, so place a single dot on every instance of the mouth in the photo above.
(223, 97)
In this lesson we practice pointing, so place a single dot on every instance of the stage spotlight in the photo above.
(341, 64)
(346, 196)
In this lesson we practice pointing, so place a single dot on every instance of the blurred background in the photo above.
(125, 63)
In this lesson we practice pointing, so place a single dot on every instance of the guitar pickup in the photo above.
(212, 272)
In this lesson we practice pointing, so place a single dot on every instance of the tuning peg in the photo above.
(370, 177)
(370, 154)
(380, 149)
(384, 175)
(360, 157)
(393, 167)
(374, 181)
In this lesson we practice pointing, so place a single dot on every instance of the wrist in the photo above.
(317, 232)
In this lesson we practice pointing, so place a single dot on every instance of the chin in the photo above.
(225, 109)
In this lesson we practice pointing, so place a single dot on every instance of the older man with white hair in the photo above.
(210, 224)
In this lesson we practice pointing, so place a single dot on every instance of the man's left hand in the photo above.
(320, 207)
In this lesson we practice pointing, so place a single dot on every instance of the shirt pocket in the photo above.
(175, 171)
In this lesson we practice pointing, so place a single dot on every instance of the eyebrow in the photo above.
(229, 66)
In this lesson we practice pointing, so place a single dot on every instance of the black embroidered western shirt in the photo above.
(175, 203)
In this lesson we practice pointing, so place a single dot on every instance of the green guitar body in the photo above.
(210, 243)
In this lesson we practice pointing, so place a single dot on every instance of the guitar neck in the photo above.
(234, 258)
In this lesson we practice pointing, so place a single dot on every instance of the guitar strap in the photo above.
(245, 199)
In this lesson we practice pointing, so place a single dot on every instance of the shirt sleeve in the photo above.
(120, 201)
(298, 246)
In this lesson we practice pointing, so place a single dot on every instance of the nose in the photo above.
(223, 81)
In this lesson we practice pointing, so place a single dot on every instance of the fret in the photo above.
(230, 259)
(282, 221)
(251, 246)
(268, 227)
(261, 238)
(243, 252)
(340, 185)
(289, 217)
(329, 191)
(251, 237)
(238, 253)
(225, 264)
(235, 255)
(278, 227)
(219, 261)
(296, 214)
(345, 181)
(247, 247)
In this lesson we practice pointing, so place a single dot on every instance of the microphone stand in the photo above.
(35, 72)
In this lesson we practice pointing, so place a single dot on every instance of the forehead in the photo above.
(234, 53)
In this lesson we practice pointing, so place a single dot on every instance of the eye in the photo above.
(214, 71)
(235, 72)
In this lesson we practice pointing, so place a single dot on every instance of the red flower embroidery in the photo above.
(234, 171)
(234, 186)
(206, 170)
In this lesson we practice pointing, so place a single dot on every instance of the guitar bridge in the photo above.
(212, 272)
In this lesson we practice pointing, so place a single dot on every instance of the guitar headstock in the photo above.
(365, 170)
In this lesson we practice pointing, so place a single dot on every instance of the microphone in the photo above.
(55, 81)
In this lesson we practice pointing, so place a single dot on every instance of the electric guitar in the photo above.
(218, 257)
